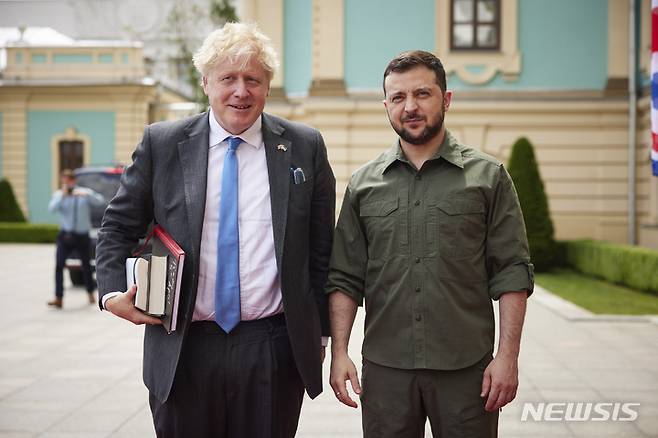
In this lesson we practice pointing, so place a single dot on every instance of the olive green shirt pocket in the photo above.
(382, 220)
(461, 228)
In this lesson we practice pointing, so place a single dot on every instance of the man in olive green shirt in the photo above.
(429, 234)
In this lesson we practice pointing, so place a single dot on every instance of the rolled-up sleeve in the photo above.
(349, 255)
(508, 256)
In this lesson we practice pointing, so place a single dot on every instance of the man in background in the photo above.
(73, 204)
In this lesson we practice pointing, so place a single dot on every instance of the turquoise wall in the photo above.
(564, 45)
(106, 58)
(41, 127)
(297, 42)
(377, 30)
(72, 58)
(39, 58)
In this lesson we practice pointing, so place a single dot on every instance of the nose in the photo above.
(410, 104)
(240, 88)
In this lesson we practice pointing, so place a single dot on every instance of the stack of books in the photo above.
(158, 278)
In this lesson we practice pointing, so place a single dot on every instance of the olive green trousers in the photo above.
(396, 402)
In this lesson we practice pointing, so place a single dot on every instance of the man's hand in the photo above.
(80, 193)
(343, 369)
(500, 382)
(123, 306)
(501, 377)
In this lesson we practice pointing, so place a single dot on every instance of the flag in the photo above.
(654, 86)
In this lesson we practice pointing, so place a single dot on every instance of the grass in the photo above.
(596, 295)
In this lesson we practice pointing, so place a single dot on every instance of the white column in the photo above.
(617, 47)
(268, 14)
(328, 48)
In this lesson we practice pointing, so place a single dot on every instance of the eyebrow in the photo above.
(415, 90)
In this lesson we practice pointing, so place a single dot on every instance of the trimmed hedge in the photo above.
(10, 211)
(17, 232)
(631, 266)
(524, 171)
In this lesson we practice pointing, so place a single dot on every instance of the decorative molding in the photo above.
(481, 66)
(327, 88)
(616, 87)
(276, 93)
(69, 134)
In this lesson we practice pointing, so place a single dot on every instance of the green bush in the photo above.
(524, 171)
(27, 233)
(631, 266)
(10, 211)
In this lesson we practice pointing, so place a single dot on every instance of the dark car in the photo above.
(104, 180)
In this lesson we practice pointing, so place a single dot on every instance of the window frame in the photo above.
(476, 23)
(477, 67)
(79, 153)
(70, 134)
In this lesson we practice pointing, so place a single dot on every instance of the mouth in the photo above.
(240, 107)
(413, 119)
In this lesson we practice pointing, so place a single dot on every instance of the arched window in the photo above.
(71, 154)
(69, 150)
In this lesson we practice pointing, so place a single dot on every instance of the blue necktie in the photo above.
(227, 285)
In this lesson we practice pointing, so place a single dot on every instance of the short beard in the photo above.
(430, 132)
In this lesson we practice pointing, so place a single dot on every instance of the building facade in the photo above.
(555, 72)
(68, 103)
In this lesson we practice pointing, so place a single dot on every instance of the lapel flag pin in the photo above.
(282, 148)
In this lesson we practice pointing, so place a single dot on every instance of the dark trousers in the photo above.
(396, 403)
(67, 243)
(244, 384)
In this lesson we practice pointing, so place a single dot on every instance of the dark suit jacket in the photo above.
(167, 184)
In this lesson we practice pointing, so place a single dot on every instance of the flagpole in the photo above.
(632, 123)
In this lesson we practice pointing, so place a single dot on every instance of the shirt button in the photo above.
(417, 202)
(417, 177)
(418, 317)
(418, 289)
(417, 260)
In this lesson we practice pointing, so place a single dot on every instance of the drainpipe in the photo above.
(632, 122)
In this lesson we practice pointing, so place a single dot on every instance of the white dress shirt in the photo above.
(260, 291)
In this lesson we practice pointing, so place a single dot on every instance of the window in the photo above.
(475, 25)
(69, 150)
(70, 154)
(484, 49)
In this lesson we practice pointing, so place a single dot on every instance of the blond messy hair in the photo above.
(236, 42)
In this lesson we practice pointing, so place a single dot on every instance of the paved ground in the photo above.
(77, 372)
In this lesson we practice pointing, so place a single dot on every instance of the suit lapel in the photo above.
(193, 154)
(278, 151)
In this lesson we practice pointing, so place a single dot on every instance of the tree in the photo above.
(10, 211)
(182, 18)
(524, 171)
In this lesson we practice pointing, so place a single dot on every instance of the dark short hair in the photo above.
(406, 61)
(68, 173)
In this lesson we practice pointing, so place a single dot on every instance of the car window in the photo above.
(106, 184)
(103, 183)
